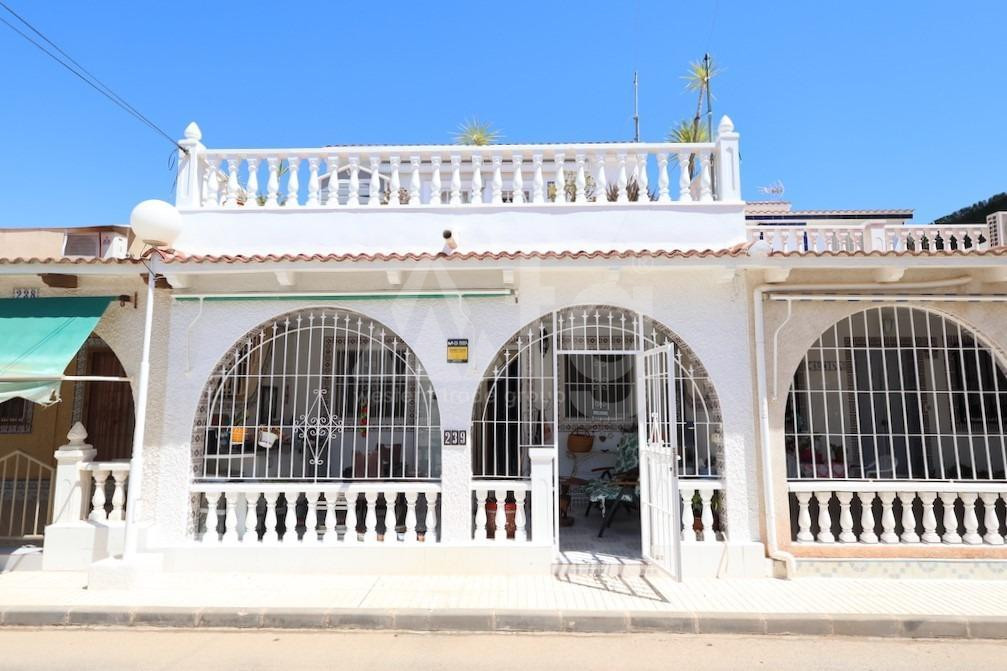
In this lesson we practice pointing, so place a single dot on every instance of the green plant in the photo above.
(475, 132)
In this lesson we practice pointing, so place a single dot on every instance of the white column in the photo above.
(517, 179)
(476, 195)
(559, 178)
(909, 534)
(480, 517)
(230, 517)
(499, 517)
(969, 519)
(272, 182)
(930, 534)
(728, 162)
(537, 181)
(706, 516)
(394, 182)
(233, 188)
(497, 184)
(374, 181)
(251, 519)
(543, 461)
(119, 476)
(435, 180)
(189, 182)
(70, 483)
(622, 180)
(642, 179)
(290, 518)
(293, 182)
(580, 179)
(888, 534)
(663, 196)
(270, 535)
(950, 519)
(705, 185)
(98, 513)
(990, 520)
(867, 534)
(456, 179)
(353, 194)
(600, 179)
(846, 534)
(371, 518)
(415, 192)
(252, 183)
(824, 517)
(520, 522)
(804, 534)
(351, 517)
(684, 178)
(312, 181)
(411, 517)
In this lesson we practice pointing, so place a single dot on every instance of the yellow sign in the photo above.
(237, 434)
(458, 350)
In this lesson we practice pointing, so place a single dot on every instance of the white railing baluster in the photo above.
(374, 181)
(289, 518)
(351, 536)
(559, 178)
(210, 535)
(520, 518)
(990, 520)
(600, 179)
(395, 181)
(480, 520)
(252, 183)
(663, 196)
(684, 178)
(888, 534)
(331, 526)
(98, 513)
(435, 181)
(389, 534)
(496, 197)
(476, 195)
(580, 179)
(909, 534)
(430, 519)
(621, 180)
(293, 182)
(270, 534)
(233, 188)
(212, 188)
(929, 520)
(415, 186)
(456, 180)
(230, 517)
(310, 536)
(969, 519)
(411, 533)
(537, 180)
(824, 517)
(312, 181)
(371, 517)
(689, 534)
(517, 179)
(273, 182)
(846, 534)
(642, 179)
(804, 534)
(706, 515)
(251, 534)
(353, 191)
(867, 533)
(950, 518)
(119, 477)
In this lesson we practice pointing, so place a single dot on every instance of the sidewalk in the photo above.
(875, 607)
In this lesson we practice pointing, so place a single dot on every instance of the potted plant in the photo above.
(267, 438)
(579, 441)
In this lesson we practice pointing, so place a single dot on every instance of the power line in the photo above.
(82, 73)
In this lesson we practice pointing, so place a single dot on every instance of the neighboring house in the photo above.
(435, 381)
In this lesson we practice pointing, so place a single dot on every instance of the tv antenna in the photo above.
(776, 190)
(636, 107)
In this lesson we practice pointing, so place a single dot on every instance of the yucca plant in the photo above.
(476, 132)
(687, 132)
(697, 79)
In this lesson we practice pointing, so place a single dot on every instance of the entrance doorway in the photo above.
(627, 409)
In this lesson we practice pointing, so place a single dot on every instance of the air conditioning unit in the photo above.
(997, 224)
(81, 244)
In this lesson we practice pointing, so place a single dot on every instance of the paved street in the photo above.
(82, 650)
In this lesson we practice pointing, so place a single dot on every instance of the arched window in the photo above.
(897, 393)
(318, 395)
(527, 395)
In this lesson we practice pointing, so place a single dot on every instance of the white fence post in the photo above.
(189, 183)
(543, 461)
(728, 162)
(70, 540)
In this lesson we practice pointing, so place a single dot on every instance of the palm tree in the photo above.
(476, 132)
(687, 132)
(698, 79)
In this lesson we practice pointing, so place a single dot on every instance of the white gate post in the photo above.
(543, 461)
(70, 539)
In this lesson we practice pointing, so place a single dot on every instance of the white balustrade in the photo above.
(386, 513)
(701, 505)
(500, 510)
(845, 512)
(108, 481)
(845, 237)
(608, 172)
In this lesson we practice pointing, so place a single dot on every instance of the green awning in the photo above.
(38, 339)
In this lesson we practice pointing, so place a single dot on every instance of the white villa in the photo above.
(504, 359)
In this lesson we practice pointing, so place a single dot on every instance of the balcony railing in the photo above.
(533, 175)
(842, 237)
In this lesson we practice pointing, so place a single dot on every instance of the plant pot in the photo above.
(267, 439)
(510, 512)
(579, 443)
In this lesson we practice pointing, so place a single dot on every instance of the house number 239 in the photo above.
(455, 437)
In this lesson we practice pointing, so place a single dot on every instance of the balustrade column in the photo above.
(705, 177)
(520, 519)
(580, 179)
(824, 517)
(435, 181)
(496, 197)
(621, 180)
(353, 193)
(990, 520)
(311, 518)
(684, 177)
(950, 518)
(394, 182)
(867, 534)
(390, 533)
(846, 534)
(415, 193)
(499, 518)
(374, 181)
(312, 199)
(600, 179)
(663, 196)
(559, 160)
(233, 188)
(430, 516)
(689, 534)
(119, 477)
(251, 518)
(212, 186)
(969, 520)
(888, 534)
(706, 515)
(909, 534)
(371, 518)
(517, 179)
(98, 513)
(642, 180)
(230, 517)
(293, 182)
(272, 182)
(804, 534)
(481, 533)
(331, 535)
(456, 180)
(929, 519)
(476, 186)
(351, 518)
(290, 518)
(212, 519)
(411, 535)
(252, 183)
(270, 534)
(537, 180)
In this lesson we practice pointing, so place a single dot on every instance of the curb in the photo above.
(493, 621)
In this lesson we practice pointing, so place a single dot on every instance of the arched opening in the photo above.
(572, 380)
(318, 395)
(894, 429)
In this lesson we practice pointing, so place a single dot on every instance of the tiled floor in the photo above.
(579, 544)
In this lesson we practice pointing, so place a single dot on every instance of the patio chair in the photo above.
(618, 485)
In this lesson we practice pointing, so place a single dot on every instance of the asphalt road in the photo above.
(105, 649)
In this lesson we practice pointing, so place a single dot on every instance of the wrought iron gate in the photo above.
(26, 488)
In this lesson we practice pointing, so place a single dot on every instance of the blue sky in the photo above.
(850, 105)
